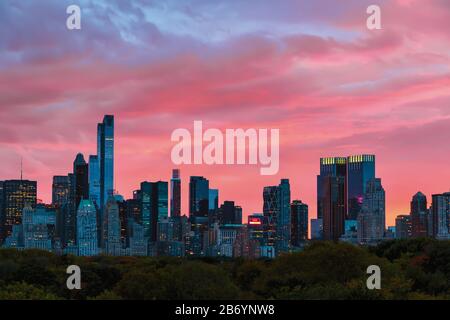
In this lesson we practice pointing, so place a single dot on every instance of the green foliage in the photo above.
(410, 269)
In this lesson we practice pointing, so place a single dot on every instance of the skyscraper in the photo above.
(403, 229)
(213, 199)
(111, 231)
(299, 223)
(105, 149)
(81, 175)
(334, 206)
(419, 215)
(371, 218)
(16, 195)
(198, 196)
(360, 169)
(60, 190)
(330, 167)
(277, 215)
(440, 210)
(154, 206)
(175, 194)
(94, 180)
(87, 236)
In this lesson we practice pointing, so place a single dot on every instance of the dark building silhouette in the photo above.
(419, 215)
(153, 198)
(175, 194)
(229, 213)
(440, 210)
(81, 175)
(299, 223)
(334, 207)
(330, 167)
(403, 227)
(16, 195)
(198, 196)
(60, 190)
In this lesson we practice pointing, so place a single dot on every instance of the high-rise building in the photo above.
(198, 196)
(111, 235)
(94, 179)
(60, 190)
(87, 235)
(440, 210)
(81, 175)
(255, 225)
(105, 153)
(299, 223)
(334, 205)
(229, 213)
(371, 218)
(16, 195)
(329, 167)
(39, 227)
(1, 211)
(277, 214)
(175, 194)
(213, 199)
(419, 215)
(316, 229)
(360, 170)
(154, 206)
(138, 240)
(403, 227)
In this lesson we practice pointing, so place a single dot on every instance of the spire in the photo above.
(21, 168)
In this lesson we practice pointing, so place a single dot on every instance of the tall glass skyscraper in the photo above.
(299, 223)
(198, 196)
(360, 170)
(175, 194)
(154, 206)
(371, 219)
(94, 179)
(277, 215)
(106, 158)
(419, 215)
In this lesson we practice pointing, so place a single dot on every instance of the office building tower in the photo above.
(229, 213)
(94, 180)
(154, 206)
(81, 175)
(105, 153)
(329, 167)
(371, 218)
(419, 215)
(111, 231)
(334, 206)
(198, 196)
(440, 210)
(213, 199)
(255, 225)
(403, 227)
(360, 170)
(1, 210)
(87, 234)
(175, 194)
(60, 190)
(299, 223)
(16, 195)
(39, 226)
(277, 213)
(316, 229)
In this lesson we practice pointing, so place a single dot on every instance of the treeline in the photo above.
(410, 269)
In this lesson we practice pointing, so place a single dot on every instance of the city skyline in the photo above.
(332, 87)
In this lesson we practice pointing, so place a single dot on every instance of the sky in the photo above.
(311, 69)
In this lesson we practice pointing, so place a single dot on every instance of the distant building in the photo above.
(316, 229)
(154, 206)
(334, 207)
(39, 227)
(111, 230)
(87, 235)
(60, 190)
(229, 213)
(105, 153)
(403, 227)
(419, 215)
(16, 195)
(198, 196)
(138, 240)
(299, 223)
(213, 199)
(371, 219)
(440, 210)
(175, 194)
